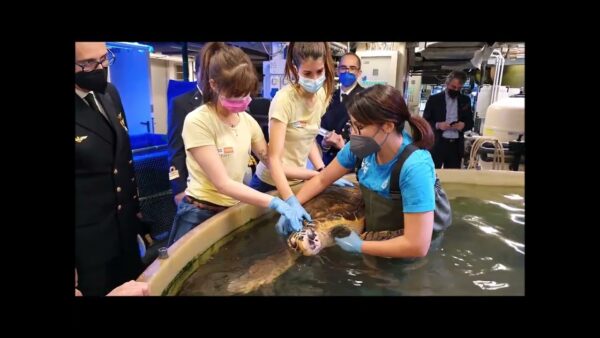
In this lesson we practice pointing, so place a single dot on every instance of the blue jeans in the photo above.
(187, 217)
(259, 185)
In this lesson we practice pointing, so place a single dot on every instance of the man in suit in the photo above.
(178, 109)
(336, 118)
(449, 114)
(107, 218)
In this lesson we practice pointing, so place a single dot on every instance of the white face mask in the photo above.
(310, 85)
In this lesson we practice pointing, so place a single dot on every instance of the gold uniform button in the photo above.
(119, 207)
(130, 161)
(115, 171)
(118, 189)
(134, 196)
(133, 179)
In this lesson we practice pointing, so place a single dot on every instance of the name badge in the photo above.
(299, 124)
(225, 151)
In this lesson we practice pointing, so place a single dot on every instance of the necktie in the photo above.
(89, 98)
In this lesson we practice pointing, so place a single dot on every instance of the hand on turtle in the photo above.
(293, 202)
(283, 226)
(290, 219)
(350, 243)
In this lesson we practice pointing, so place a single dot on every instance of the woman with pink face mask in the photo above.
(218, 137)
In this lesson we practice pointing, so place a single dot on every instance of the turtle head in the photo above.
(305, 241)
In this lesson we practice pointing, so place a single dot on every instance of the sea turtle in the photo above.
(335, 212)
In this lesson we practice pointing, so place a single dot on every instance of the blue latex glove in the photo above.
(342, 182)
(351, 243)
(293, 202)
(290, 219)
(283, 227)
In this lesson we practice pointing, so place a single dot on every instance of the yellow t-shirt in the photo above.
(202, 127)
(302, 127)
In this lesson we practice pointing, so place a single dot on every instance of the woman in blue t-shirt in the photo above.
(401, 205)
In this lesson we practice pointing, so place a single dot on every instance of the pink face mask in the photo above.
(236, 105)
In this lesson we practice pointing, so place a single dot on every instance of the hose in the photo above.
(499, 160)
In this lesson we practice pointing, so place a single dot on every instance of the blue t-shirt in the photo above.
(417, 177)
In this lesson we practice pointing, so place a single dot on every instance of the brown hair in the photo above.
(299, 51)
(230, 68)
(382, 103)
(352, 54)
(457, 74)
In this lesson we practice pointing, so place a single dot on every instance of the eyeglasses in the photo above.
(356, 128)
(106, 60)
(344, 69)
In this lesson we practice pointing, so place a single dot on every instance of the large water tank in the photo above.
(505, 119)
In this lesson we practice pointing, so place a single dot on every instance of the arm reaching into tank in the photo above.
(325, 178)
(413, 243)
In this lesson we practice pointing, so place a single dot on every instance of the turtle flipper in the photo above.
(263, 272)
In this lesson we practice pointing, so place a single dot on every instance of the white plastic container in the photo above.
(484, 97)
(505, 119)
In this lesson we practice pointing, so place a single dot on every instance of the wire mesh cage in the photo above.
(151, 166)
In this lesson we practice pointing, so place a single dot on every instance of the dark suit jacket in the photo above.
(106, 201)
(335, 118)
(259, 109)
(435, 111)
(178, 110)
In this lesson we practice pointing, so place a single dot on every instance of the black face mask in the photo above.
(453, 93)
(363, 146)
(95, 80)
